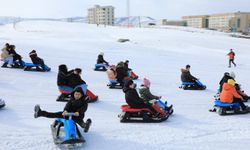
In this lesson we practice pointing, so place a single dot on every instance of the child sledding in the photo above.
(37, 63)
(137, 110)
(10, 58)
(118, 75)
(101, 64)
(67, 81)
(190, 82)
(230, 101)
(71, 116)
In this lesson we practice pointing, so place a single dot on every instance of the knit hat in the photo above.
(231, 82)
(146, 82)
(232, 74)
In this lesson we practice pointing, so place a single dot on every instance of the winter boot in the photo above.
(37, 110)
(87, 125)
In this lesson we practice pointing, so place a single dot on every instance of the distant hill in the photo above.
(121, 21)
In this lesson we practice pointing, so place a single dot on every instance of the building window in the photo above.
(238, 22)
(249, 24)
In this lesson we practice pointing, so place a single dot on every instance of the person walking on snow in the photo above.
(231, 56)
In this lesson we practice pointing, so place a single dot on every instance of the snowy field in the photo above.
(157, 54)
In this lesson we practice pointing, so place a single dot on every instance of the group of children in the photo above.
(123, 75)
(231, 92)
(12, 59)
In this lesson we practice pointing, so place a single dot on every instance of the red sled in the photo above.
(65, 96)
(142, 114)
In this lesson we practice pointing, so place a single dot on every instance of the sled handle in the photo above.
(70, 114)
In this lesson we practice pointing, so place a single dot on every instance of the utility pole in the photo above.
(128, 11)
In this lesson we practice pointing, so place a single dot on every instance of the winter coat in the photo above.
(228, 93)
(111, 74)
(224, 80)
(100, 60)
(133, 99)
(126, 67)
(121, 73)
(186, 76)
(63, 76)
(75, 80)
(231, 55)
(146, 95)
(34, 58)
(5, 53)
(74, 105)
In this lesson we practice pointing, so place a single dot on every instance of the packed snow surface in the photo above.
(157, 54)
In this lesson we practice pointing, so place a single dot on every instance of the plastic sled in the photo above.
(15, 65)
(100, 67)
(66, 96)
(132, 75)
(113, 84)
(228, 108)
(142, 114)
(193, 86)
(71, 134)
(36, 67)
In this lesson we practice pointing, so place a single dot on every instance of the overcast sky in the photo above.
(158, 9)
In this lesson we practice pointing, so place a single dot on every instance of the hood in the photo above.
(125, 89)
(184, 70)
(227, 86)
(63, 68)
(78, 89)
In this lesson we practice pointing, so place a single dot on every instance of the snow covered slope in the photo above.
(154, 53)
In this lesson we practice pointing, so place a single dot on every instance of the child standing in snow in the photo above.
(231, 56)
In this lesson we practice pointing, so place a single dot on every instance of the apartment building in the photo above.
(196, 21)
(101, 15)
(238, 21)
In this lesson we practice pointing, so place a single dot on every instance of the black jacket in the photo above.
(132, 98)
(224, 80)
(34, 58)
(100, 60)
(121, 73)
(63, 76)
(75, 80)
(80, 105)
(186, 76)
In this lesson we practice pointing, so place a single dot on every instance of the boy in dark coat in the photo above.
(186, 75)
(63, 75)
(36, 60)
(77, 104)
(75, 78)
(121, 73)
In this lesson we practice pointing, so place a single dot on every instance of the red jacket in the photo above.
(228, 93)
(231, 55)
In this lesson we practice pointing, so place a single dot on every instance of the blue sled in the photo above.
(228, 108)
(197, 85)
(36, 67)
(72, 133)
(101, 67)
